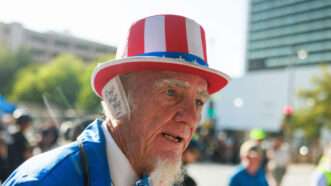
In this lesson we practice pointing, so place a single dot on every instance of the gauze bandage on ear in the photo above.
(115, 102)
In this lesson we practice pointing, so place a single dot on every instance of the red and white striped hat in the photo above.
(162, 42)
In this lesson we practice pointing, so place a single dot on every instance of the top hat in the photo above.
(162, 42)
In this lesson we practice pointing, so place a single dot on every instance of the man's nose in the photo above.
(188, 113)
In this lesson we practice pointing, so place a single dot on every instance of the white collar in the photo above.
(120, 169)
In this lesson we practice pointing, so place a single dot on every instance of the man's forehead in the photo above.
(173, 82)
(171, 78)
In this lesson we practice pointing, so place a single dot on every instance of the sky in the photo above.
(107, 21)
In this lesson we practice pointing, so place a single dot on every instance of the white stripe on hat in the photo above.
(194, 44)
(154, 34)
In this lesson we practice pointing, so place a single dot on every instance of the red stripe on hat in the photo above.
(175, 29)
(203, 40)
(136, 39)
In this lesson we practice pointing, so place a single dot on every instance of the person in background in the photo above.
(153, 96)
(7, 125)
(20, 149)
(322, 174)
(259, 135)
(49, 137)
(249, 172)
(4, 164)
(279, 158)
(5, 139)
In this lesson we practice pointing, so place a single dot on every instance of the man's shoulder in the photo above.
(41, 168)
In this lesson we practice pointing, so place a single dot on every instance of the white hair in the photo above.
(167, 173)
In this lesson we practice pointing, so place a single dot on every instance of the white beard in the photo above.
(167, 173)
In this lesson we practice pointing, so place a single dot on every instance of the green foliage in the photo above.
(317, 113)
(25, 88)
(87, 100)
(58, 81)
(65, 82)
(10, 64)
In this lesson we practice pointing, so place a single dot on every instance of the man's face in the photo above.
(165, 109)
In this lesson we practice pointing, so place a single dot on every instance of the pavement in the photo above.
(210, 174)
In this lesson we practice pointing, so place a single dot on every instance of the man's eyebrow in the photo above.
(203, 94)
(182, 84)
(173, 82)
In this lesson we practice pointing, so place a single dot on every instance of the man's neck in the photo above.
(120, 141)
(124, 174)
(117, 138)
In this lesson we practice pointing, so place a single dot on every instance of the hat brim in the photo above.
(106, 71)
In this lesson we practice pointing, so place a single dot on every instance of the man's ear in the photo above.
(115, 102)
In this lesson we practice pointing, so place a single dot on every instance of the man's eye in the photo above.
(171, 92)
(199, 102)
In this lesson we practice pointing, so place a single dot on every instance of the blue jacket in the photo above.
(242, 178)
(62, 167)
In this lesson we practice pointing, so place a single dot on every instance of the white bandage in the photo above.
(115, 101)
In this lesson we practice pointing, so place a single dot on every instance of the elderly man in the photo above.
(152, 96)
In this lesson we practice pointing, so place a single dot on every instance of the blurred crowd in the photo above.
(15, 148)
(262, 157)
(20, 139)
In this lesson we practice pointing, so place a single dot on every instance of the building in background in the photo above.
(281, 30)
(257, 100)
(45, 46)
(287, 40)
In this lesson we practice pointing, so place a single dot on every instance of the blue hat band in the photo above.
(190, 58)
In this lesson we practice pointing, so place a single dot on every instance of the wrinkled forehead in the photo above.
(197, 84)
(169, 78)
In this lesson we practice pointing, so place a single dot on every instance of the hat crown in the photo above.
(169, 36)
(161, 42)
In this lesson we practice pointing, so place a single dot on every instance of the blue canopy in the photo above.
(6, 106)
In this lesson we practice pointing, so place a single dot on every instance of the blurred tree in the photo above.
(10, 63)
(87, 100)
(58, 80)
(25, 88)
(317, 113)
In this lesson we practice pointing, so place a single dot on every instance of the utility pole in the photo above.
(300, 54)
